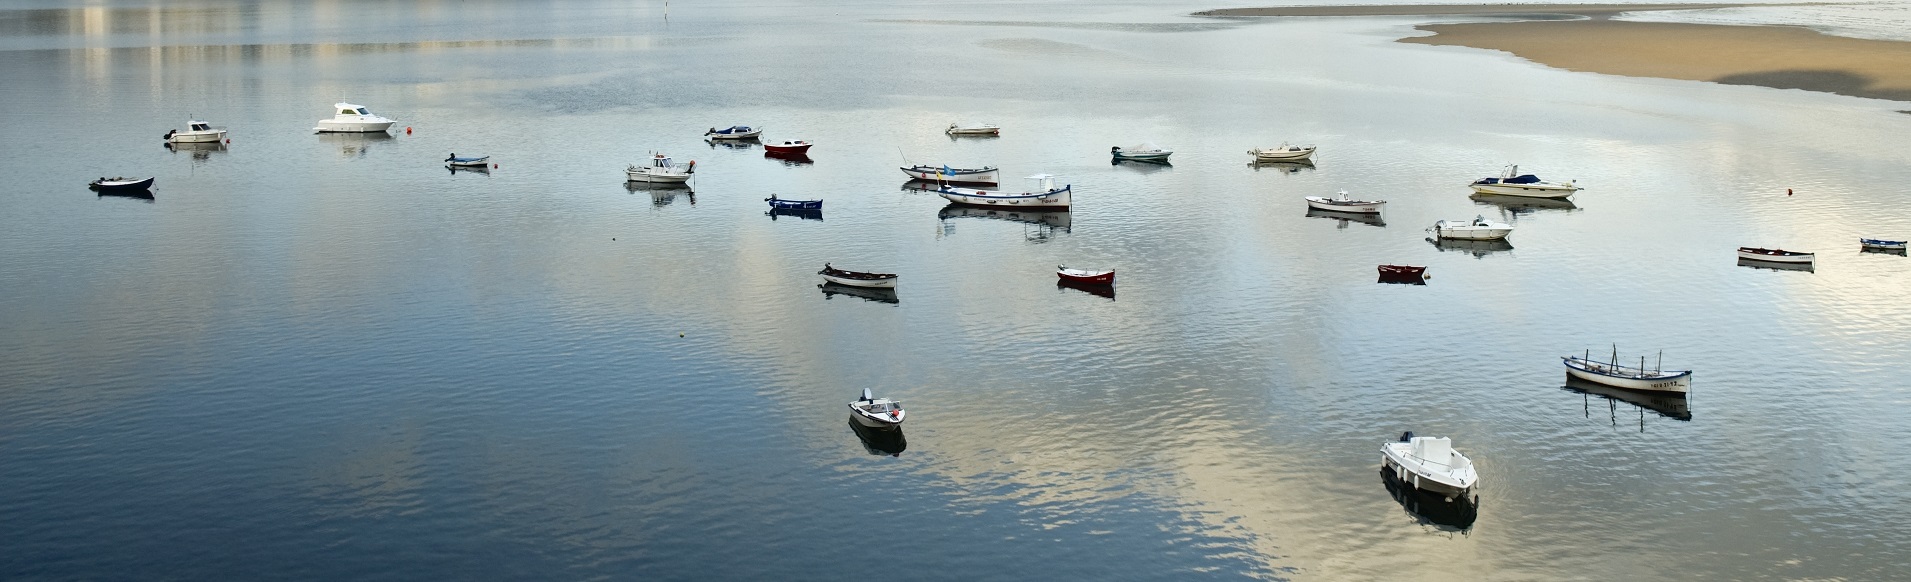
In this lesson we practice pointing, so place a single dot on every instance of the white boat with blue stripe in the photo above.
(1048, 197)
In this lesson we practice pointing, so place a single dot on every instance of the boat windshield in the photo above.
(199, 127)
(362, 111)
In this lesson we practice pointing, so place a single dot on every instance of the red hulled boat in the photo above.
(1392, 273)
(788, 148)
(1085, 277)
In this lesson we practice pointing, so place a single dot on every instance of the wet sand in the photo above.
(1593, 10)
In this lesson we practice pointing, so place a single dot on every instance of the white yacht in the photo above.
(353, 119)
(661, 169)
(1430, 464)
(197, 132)
(1512, 183)
(1478, 229)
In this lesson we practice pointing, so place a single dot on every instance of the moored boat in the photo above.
(353, 119)
(1873, 243)
(979, 129)
(467, 162)
(1477, 229)
(1402, 272)
(794, 204)
(788, 147)
(196, 132)
(1341, 203)
(734, 132)
(1048, 197)
(1513, 183)
(946, 174)
(661, 169)
(1145, 151)
(1284, 153)
(857, 278)
(1612, 373)
(1774, 255)
(876, 412)
(1430, 464)
(112, 185)
(1085, 276)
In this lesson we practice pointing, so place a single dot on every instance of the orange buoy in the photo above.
(407, 130)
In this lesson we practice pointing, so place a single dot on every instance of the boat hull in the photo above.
(735, 136)
(1093, 278)
(1145, 157)
(1282, 155)
(884, 283)
(132, 186)
(1395, 458)
(216, 135)
(1469, 233)
(353, 126)
(983, 176)
(655, 178)
(783, 150)
(1331, 205)
(470, 163)
(1882, 244)
(1795, 258)
(1680, 383)
(796, 204)
(975, 131)
(1526, 190)
(1057, 198)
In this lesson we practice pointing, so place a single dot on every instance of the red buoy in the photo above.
(228, 141)
(407, 130)
(494, 166)
(1788, 191)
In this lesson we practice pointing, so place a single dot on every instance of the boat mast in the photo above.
(1660, 369)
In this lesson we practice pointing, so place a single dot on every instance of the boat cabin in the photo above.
(199, 126)
(350, 109)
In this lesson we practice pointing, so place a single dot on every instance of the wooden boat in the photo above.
(1341, 203)
(1430, 464)
(1611, 373)
(1872, 243)
(983, 129)
(353, 119)
(857, 278)
(1512, 183)
(1086, 276)
(661, 170)
(794, 204)
(1048, 197)
(788, 148)
(196, 132)
(1774, 255)
(1146, 151)
(114, 185)
(1403, 271)
(1477, 229)
(1284, 153)
(478, 162)
(876, 412)
(948, 175)
(734, 132)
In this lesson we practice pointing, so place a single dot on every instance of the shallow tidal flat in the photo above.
(1783, 57)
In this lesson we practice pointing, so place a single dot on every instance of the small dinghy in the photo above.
(788, 148)
(1403, 272)
(1430, 464)
(1085, 276)
(1774, 255)
(1478, 229)
(661, 170)
(857, 278)
(116, 185)
(1889, 245)
(876, 412)
(1611, 373)
(1341, 203)
(948, 175)
(1048, 197)
(783, 204)
(980, 129)
(196, 132)
(1144, 152)
(734, 132)
(1285, 153)
(353, 119)
(1513, 183)
(457, 162)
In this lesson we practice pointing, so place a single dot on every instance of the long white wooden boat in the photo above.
(1048, 197)
(1341, 203)
(1513, 183)
(1430, 464)
(981, 129)
(1477, 229)
(946, 174)
(661, 169)
(876, 412)
(1872, 243)
(353, 119)
(196, 132)
(467, 162)
(1612, 373)
(1146, 151)
(857, 278)
(1284, 153)
(1774, 255)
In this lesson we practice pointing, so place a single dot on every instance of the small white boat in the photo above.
(983, 129)
(196, 132)
(1284, 153)
(876, 412)
(734, 132)
(1631, 378)
(353, 119)
(1146, 152)
(1873, 243)
(1477, 229)
(1341, 203)
(1430, 464)
(982, 175)
(469, 162)
(1512, 183)
(1048, 197)
(1775, 255)
(857, 278)
(661, 169)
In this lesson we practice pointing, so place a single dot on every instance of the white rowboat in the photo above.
(1774, 255)
(1628, 377)
(857, 278)
(984, 129)
(1048, 197)
(1144, 152)
(1341, 203)
(982, 175)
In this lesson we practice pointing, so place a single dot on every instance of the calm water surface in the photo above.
(328, 357)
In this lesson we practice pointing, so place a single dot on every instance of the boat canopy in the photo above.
(1435, 449)
(1522, 179)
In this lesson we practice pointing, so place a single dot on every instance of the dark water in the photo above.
(328, 357)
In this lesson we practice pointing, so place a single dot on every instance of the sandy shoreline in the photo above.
(1783, 57)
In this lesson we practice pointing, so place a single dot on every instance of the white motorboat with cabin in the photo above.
(1477, 229)
(1143, 152)
(661, 169)
(978, 129)
(1512, 183)
(1284, 153)
(857, 278)
(353, 119)
(1430, 464)
(982, 175)
(734, 132)
(1341, 203)
(197, 132)
(876, 412)
(1611, 373)
(1048, 197)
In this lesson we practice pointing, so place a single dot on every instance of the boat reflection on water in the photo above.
(146, 195)
(1143, 165)
(199, 150)
(663, 193)
(1346, 217)
(1758, 264)
(354, 145)
(1056, 219)
(1878, 251)
(1523, 204)
(1673, 405)
(733, 144)
(800, 214)
(1478, 248)
(931, 187)
(1282, 167)
(1107, 291)
(879, 295)
(481, 170)
(798, 159)
(1432, 509)
(879, 441)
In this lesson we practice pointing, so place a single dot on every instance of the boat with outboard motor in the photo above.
(661, 169)
(1477, 229)
(353, 119)
(734, 132)
(115, 185)
(1403, 273)
(786, 204)
(1284, 153)
(857, 278)
(1430, 464)
(978, 129)
(876, 412)
(467, 162)
(788, 148)
(1512, 183)
(196, 132)
(1145, 152)
(1341, 203)
(1775, 255)
(1612, 373)
(948, 175)
(1048, 197)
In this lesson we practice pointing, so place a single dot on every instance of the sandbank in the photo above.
(1593, 10)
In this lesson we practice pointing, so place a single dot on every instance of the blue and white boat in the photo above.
(1048, 197)
(1612, 373)
(1512, 183)
(734, 132)
(794, 204)
(457, 162)
(1872, 243)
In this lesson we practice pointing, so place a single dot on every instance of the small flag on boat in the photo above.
(947, 172)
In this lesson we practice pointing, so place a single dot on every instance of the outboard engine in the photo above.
(1114, 150)
(867, 397)
(1406, 437)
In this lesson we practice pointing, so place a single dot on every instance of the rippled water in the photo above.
(328, 357)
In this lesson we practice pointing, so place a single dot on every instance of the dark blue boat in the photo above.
(793, 204)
